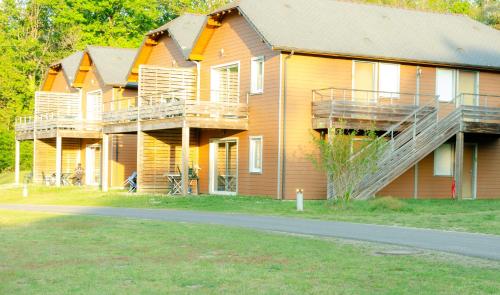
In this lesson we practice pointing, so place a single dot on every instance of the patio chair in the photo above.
(131, 182)
(28, 178)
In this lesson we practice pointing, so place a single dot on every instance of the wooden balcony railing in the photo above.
(178, 104)
(55, 120)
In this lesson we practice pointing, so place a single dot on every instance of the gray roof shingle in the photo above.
(70, 65)
(184, 30)
(112, 63)
(365, 30)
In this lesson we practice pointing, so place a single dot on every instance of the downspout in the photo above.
(283, 164)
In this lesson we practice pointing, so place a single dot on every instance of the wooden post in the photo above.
(58, 160)
(185, 160)
(17, 161)
(415, 181)
(140, 152)
(104, 162)
(459, 163)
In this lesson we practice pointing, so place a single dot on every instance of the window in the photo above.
(257, 76)
(388, 80)
(443, 160)
(255, 154)
(225, 83)
(445, 86)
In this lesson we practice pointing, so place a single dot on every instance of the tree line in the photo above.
(36, 33)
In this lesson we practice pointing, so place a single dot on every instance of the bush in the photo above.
(389, 204)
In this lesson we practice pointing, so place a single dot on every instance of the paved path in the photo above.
(477, 245)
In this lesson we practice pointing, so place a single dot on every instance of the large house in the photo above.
(238, 94)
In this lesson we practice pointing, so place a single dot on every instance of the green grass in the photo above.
(475, 216)
(7, 177)
(57, 254)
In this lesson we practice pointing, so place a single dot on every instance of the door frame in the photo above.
(476, 86)
(375, 79)
(474, 170)
(211, 166)
(93, 93)
(88, 171)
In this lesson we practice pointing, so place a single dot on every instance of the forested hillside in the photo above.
(36, 33)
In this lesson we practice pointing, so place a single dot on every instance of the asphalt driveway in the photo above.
(470, 244)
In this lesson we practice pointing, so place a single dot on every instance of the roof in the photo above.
(70, 65)
(365, 30)
(112, 63)
(184, 30)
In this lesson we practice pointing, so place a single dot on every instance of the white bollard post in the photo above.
(25, 190)
(300, 199)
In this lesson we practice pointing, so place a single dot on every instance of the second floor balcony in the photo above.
(361, 109)
(172, 109)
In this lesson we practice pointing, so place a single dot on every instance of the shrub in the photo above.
(388, 204)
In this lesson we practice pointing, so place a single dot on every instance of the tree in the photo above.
(346, 160)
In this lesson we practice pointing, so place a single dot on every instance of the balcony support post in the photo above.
(17, 161)
(58, 160)
(459, 156)
(105, 163)
(185, 159)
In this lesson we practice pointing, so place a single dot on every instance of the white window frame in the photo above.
(253, 74)
(453, 85)
(251, 154)
(215, 93)
(450, 172)
(393, 94)
(99, 115)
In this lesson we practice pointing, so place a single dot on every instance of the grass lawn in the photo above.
(57, 254)
(474, 216)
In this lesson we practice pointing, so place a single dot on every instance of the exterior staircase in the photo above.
(410, 141)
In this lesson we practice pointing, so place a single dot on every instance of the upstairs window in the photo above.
(257, 75)
(388, 81)
(255, 156)
(445, 84)
(443, 160)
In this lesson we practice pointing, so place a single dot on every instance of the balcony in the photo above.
(362, 109)
(53, 124)
(173, 110)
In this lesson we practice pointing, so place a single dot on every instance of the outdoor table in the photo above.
(175, 183)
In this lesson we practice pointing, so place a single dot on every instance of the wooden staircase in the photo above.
(410, 141)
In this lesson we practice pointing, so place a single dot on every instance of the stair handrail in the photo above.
(393, 128)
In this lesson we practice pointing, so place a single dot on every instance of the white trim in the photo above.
(453, 86)
(394, 94)
(375, 78)
(214, 67)
(251, 155)
(211, 165)
(450, 174)
(262, 59)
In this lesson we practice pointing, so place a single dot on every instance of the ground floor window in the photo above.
(443, 160)
(255, 154)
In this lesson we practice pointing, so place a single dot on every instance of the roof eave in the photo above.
(383, 58)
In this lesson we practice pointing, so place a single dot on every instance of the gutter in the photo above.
(285, 92)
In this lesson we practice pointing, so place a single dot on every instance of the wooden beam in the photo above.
(105, 163)
(140, 158)
(17, 161)
(185, 160)
(58, 160)
(459, 163)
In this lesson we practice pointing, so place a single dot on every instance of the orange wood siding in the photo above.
(167, 54)
(305, 73)
(240, 43)
(488, 165)
(60, 83)
(489, 83)
(123, 158)
(162, 154)
(45, 160)
(70, 154)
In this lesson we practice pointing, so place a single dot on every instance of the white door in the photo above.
(94, 105)
(92, 164)
(223, 167)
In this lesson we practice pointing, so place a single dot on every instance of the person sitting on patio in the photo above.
(77, 175)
